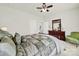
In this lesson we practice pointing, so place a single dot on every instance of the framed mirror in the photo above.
(56, 25)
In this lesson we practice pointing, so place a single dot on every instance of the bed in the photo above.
(34, 45)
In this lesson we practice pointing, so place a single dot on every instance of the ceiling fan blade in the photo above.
(49, 6)
(39, 7)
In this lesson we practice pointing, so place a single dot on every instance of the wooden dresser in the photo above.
(59, 34)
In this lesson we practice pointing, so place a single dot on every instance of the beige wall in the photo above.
(26, 23)
(69, 20)
(18, 21)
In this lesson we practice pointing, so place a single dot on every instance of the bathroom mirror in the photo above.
(56, 25)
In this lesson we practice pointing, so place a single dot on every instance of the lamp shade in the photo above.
(4, 28)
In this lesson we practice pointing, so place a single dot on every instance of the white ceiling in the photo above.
(31, 8)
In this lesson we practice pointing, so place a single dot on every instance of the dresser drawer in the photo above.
(59, 34)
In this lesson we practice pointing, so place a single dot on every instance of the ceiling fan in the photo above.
(44, 7)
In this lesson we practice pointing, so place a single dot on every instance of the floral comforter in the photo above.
(36, 45)
(27, 45)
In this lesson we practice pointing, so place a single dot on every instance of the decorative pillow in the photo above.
(17, 38)
(25, 37)
(20, 51)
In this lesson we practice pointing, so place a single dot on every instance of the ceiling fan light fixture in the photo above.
(44, 10)
(44, 7)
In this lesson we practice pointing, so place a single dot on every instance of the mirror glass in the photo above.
(56, 24)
